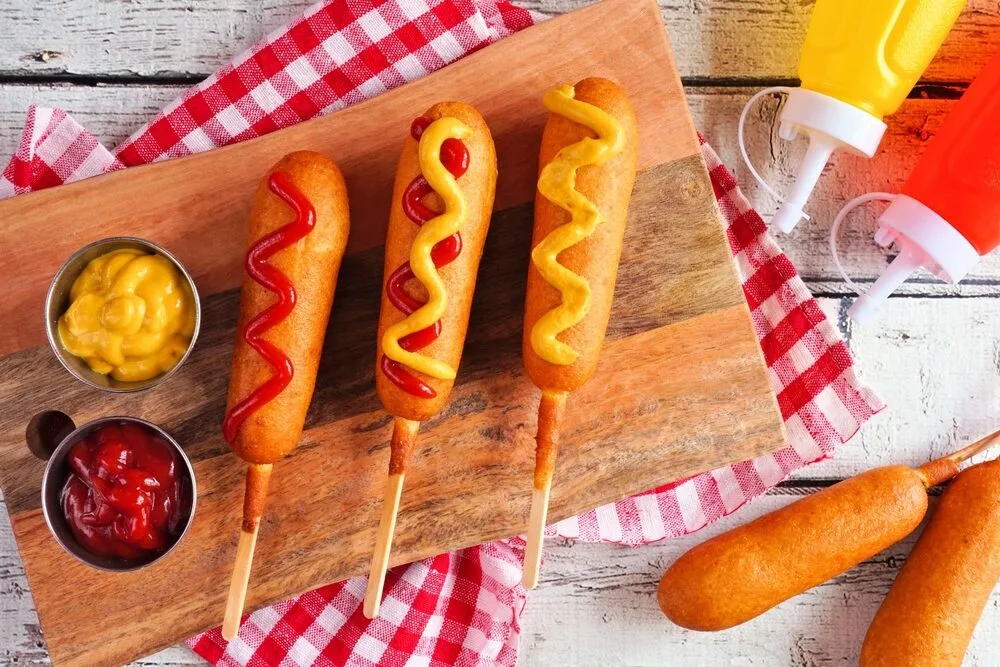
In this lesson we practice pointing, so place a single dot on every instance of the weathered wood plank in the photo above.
(936, 362)
(20, 634)
(161, 38)
(177, 656)
(721, 39)
(750, 39)
(110, 112)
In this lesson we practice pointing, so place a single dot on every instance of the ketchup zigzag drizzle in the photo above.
(275, 281)
(455, 158)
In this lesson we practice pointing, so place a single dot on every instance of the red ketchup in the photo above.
(948, 214)
(275, 281)
(455, 158)
(123, 496)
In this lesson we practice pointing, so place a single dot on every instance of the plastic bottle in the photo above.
(860, 60)
(948, 214)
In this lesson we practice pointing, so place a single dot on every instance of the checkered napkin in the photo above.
(462, 607)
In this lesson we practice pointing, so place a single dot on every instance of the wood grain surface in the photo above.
(932, 355)
(206, 196)
(682, 385)
(660, 422)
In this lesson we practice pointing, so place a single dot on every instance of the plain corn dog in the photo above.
(740, 574)
(937, 599)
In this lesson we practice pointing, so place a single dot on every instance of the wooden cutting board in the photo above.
(682, 387)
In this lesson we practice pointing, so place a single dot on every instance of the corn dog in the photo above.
(441, 208)
(299, 224)
(587, 164)
(739, 575)
(937, 599)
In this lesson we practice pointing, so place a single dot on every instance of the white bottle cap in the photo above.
(830, 125)
(925, 240)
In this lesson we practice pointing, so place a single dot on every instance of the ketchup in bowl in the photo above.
(123, 498)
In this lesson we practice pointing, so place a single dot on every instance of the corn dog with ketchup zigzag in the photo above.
(299, 223)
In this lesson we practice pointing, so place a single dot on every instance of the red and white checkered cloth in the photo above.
(463, 607)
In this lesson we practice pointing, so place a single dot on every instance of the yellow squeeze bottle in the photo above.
(860, 60)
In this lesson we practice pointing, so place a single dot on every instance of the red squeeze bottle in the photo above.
(948, 214)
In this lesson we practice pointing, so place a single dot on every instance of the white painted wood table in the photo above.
(934, 356)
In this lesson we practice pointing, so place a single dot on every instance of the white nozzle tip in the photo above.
(786, 218)
(884, 236)
(909, 260)
(864, 309)
(787, 131)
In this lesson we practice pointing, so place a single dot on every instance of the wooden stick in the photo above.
(536, 533)
(550, 413)
(404, 435)
(946, 467)
(979, 446)
(383, 545)
(258, 477)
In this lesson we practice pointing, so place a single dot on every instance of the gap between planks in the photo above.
(946, 90)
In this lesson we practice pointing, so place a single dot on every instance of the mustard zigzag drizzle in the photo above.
(431, 233)
(557, 183)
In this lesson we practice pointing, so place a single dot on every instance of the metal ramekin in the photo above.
(57, 472)
(57, 301)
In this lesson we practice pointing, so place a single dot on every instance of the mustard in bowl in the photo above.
(122, 314)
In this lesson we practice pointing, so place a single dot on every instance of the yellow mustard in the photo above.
(557, 183)
(131, 316)
(870, 53)
(431, 233)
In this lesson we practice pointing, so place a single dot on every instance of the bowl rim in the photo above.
(59, 454)
(51, 327)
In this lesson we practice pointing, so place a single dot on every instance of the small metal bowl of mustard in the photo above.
(122, 314)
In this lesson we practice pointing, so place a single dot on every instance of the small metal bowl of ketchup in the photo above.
(58, 301)
(118, 493)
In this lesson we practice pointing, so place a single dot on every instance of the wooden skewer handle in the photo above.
(979, 446)
(536, 534)
(238, 585)
(404, 436)
(550, 414)
(942, 469)
(383, 545)
(258, 478)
